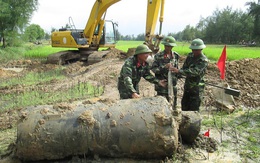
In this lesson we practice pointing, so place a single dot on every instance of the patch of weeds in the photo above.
(248, 126)
(252, 139)
(7, 137)
(41, 97)
(207, 122)
(36, 89)
(225, 144)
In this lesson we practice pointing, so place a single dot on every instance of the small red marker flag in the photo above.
(206, 133)
(222, 63)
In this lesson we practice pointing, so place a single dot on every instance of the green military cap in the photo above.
(142, 49)
(169, 41)
(197, 44)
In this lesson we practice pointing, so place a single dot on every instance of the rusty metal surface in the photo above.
(134, 128)
(190, 126)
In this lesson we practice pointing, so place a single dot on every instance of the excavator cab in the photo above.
(104, 36)
(73, 37)
(109, 34)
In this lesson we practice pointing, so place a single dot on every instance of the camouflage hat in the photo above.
(169, 41)
(197, 44)
(142, 49)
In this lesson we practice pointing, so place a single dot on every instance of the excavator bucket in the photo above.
(133, 128)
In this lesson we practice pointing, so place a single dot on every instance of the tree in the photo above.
(226, 26)
(34, 32)
(118, 35)
(5, 13)
(254, 10)
(47, 36)
(188, 33)
(140, 37)
(14, 17)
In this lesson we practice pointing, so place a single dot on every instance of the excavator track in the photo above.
(63, 57)
(67, 56)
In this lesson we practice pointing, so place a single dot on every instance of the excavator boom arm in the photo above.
(101, 6)
(153, 8)
(95, 17)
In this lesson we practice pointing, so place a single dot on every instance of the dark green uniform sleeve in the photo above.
(149, 76)
(193, 70)
(127, 77)
(157, 67)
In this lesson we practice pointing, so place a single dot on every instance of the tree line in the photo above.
(225, 26)
(14, 17)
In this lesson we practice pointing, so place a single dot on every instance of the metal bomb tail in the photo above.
(139, 128)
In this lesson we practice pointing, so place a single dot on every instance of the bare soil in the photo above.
(241, 75)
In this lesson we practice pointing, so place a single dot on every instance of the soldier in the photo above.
(133, 69)
(194, 68)
(163, 62)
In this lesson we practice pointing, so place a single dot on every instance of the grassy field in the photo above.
(234, 52)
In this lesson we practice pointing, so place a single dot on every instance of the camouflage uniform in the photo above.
(161, 73)
(130, 76)
(194, 68)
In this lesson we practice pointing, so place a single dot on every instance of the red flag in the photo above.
(206, 133)
(222, 63)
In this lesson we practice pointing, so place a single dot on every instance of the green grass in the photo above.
(32, 90)
(213, 52)
(11, 53)
(37, 96)
(233, 52)
(124, 45)
(32, 78)
(43, 51)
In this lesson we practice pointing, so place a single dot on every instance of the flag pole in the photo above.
(222, 67)
(206, 134)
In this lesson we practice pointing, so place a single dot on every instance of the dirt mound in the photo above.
(115, 53)
(242, 75)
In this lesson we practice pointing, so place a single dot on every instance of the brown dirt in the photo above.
(242, 75)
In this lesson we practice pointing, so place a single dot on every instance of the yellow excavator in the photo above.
(101, 33)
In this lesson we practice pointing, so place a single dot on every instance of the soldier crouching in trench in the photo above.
(133, 69)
